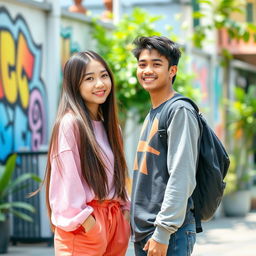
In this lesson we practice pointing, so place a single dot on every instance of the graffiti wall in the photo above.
(210, 84)
(218, 107)
(200, 68)
(75, 36)
(68, 46)
(23, 97)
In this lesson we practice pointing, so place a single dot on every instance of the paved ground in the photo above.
(221, 237)
(228, 237)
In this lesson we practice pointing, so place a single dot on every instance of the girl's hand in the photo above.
(89, 223)
(126, 214)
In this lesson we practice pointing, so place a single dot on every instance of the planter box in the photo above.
(237, 204)
(253, 198)
(4, 235)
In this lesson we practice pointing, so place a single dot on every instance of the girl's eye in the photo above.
(105, 75)
(89, 78)
(142, 65)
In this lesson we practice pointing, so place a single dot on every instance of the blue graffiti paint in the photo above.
(6, 132)
(22, 137)
(16, 131)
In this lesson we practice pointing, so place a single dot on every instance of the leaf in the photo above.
(198, 15)
(239, 92)
(21, 215)
(5, 206)
(23, 205)
(246, 36)
(2, 216)
(7, 174)
(14, 184)
(205, 2)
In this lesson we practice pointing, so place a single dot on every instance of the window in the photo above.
(249, 12)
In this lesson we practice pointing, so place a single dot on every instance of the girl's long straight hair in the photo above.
(92, 164)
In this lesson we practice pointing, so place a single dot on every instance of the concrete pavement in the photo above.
(221, 236)
(228, 237)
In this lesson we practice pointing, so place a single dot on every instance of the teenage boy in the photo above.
(162, 208)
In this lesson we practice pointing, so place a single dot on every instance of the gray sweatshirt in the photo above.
(163, 182)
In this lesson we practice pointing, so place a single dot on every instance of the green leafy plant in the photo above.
(9, 186)
(242, 125)
(221, 12)
(115, 46)
(238, 115)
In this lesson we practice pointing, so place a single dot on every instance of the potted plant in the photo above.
(242, 124)
(77, 7)
(8, 186)
(107, 14)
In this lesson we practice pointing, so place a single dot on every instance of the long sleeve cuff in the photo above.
(161, 235)
(70, 222)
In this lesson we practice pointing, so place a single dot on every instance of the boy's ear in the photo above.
(173, 71)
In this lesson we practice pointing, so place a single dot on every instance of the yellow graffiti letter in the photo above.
(7, 65)
(25, 65)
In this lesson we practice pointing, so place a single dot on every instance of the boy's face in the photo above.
(153, 72)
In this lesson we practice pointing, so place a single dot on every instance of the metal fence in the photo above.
(39, 229)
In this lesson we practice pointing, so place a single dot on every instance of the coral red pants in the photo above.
(109, 236)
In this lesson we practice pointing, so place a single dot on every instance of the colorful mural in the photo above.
(68, 47)
(218, 118)
(23, 98)
(201, 69)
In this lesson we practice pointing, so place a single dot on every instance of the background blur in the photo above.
(217, 70)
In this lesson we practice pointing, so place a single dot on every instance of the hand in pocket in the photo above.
(89, 223)
(126, 214)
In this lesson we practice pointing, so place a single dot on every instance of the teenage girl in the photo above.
(86, 169)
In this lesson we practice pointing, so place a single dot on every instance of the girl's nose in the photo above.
(99, 83)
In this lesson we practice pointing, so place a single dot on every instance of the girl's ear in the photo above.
(173, 71)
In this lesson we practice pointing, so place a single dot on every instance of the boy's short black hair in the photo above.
(162, 44)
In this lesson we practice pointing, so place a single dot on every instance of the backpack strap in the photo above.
(167, 106)
(162, 127)
(162, 131)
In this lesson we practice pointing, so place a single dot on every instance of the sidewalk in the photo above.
(222, 237)
(228, 237)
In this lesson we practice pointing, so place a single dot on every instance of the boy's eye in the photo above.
(157, 64)
(142, 65)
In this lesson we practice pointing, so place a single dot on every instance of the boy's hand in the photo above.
(155, 249)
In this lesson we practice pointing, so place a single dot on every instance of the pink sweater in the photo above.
(69, 193)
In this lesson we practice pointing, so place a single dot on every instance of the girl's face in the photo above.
(96, 86)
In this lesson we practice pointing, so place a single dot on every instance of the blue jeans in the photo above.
(181, 243)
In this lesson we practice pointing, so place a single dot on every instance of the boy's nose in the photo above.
(148, 70)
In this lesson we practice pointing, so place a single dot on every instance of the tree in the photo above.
(239, 114)
(219, 16)
(115, 46)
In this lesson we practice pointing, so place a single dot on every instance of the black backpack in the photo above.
(212, 165)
